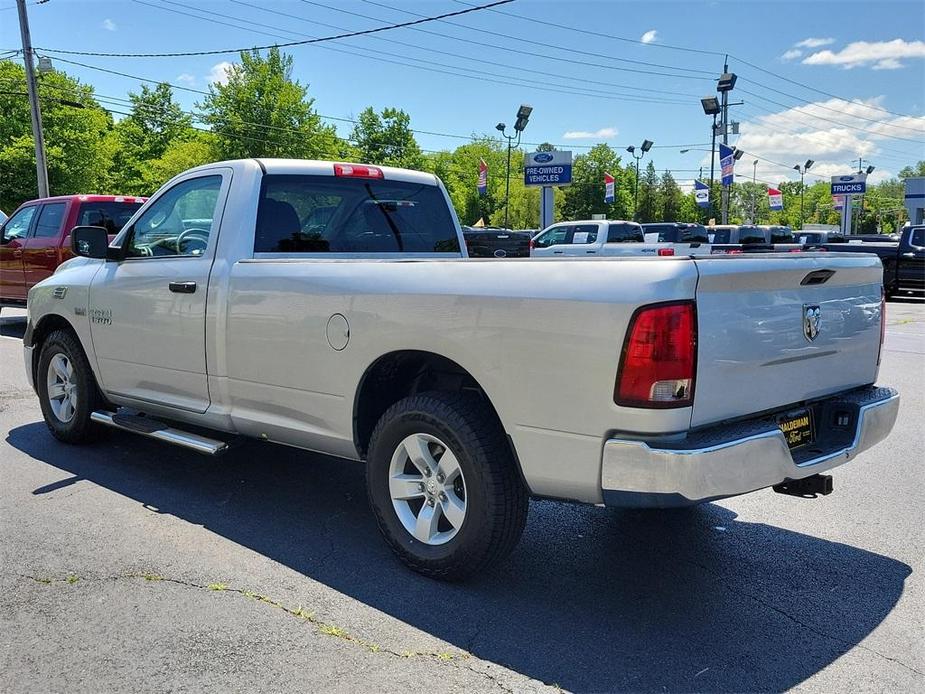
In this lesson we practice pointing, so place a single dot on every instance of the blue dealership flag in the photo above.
(702, 194)
(726, 163)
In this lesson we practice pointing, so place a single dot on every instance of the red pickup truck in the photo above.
(36, 238)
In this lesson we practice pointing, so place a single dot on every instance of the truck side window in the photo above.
(18, 225)
(584, 233)
(50, 219)
(331, 214)
(552, 237)
(625, 233)
(179, 222)
(917, 238)
(112, 216)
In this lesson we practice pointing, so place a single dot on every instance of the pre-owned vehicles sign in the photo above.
(548, 169)
(854, 184)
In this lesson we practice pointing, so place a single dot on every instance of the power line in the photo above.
(518, 68)
(322, 39)
(606, 66)
(543, 85)
(590, 32)
(508, 36)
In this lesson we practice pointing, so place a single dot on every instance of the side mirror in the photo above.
(89, 242)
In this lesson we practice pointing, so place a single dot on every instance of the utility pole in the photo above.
(754, 192)
(41, 167)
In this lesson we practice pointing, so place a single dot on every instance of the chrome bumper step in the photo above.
(155, 429)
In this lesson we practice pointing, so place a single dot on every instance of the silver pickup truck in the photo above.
(331, 307)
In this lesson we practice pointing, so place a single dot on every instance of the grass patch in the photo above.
(218, 587)
(72, 579)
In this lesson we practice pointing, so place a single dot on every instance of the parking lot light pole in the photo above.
(643, 148)
(755, 192)
(523, 117)
(802, 169)
(711, 107)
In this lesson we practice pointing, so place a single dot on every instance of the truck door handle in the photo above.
(50, 252)
(590, 251)
(908, 255)
(183, 287)
(559, 252)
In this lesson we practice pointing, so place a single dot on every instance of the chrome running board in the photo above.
(155, 429)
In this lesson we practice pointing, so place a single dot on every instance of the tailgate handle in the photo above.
(817, 277)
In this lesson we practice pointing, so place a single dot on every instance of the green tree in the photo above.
(670, 198)
(77, 156)
(157, 128)
(912, 171)
(386, 139)
(649, 208)
(263, 112)
(459, 171)
(585, 196)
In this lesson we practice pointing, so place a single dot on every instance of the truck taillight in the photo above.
(666, 251)
(358, 171)
(882, 323)
(659, 357)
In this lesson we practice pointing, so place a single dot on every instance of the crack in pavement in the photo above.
(321, 627)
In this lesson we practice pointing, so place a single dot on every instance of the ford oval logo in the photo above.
(542, 157)
(846, 178)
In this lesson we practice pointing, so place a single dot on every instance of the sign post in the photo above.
(847, 187)
(546, 170)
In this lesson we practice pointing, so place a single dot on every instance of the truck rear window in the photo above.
(326, 214)
(625, 233)
(110, 215)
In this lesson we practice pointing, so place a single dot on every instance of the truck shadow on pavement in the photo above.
(591, 600)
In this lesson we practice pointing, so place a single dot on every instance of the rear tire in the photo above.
(444, 486)
(67, 389)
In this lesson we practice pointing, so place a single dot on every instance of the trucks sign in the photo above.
(548, 169)
(854, 184)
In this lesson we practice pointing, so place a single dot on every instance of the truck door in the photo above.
(551, 241)
(148, 311)
(12, 277)
(41, 247)
(911, 266)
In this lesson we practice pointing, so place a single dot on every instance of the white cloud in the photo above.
(814, 43)
(219, 72)
(649, 37)
(602, 133)
(794, 135)
(883, 55)
(109, 25)
(186, 79)
(792, 54)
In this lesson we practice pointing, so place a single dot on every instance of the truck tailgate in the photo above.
(758, 350)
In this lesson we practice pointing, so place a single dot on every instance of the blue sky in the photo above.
(584, 88)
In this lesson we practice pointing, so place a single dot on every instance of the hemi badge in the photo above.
(80, 311)
(60, 292)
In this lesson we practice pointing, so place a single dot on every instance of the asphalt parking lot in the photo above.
(135, 566)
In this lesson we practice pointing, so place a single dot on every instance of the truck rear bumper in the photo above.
(733, 459)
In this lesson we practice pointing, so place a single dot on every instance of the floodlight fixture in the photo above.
(647, 145)
(710, 105)
(726, 82)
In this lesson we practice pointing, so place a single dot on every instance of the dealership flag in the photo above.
(726, 162)
(609, 182)
(702, 194)
(483, 177)
(775, 199)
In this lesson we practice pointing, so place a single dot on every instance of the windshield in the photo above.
(331, 214)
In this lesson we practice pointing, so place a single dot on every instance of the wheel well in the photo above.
(399, 374)
(45, 327)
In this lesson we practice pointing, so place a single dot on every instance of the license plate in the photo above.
(797, 427)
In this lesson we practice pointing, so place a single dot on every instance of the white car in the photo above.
(331, 307)
(606, 238)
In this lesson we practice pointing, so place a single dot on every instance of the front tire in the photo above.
(444, 485)
(67, 389)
